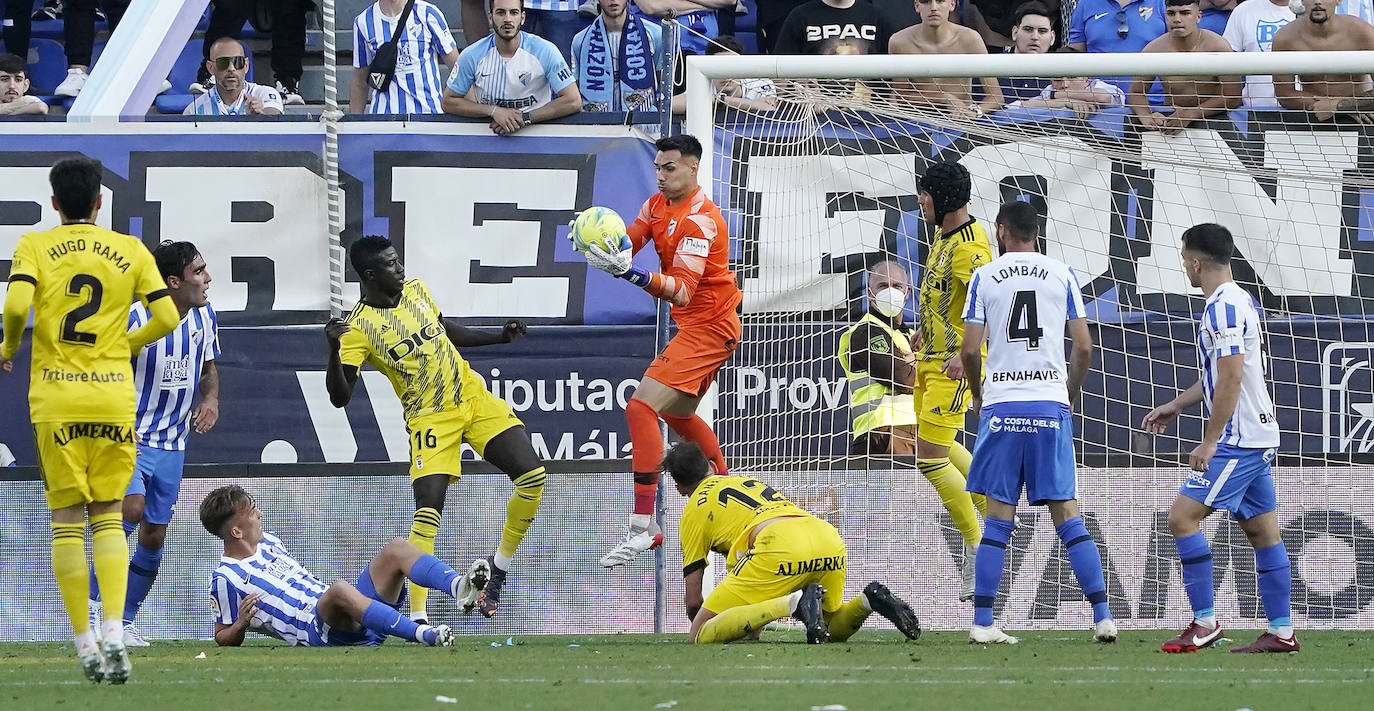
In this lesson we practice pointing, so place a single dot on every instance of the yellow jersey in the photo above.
(408, 343)
(84, 279)
(944, 287)
(720, 514)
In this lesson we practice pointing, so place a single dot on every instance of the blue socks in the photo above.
(1196, 558)
(1086, 564)
(142, 572)
(432, 573)
(385, 619)
(987, 568)
(1276, 587)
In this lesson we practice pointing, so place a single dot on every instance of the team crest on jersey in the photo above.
(1146, 12)
(672, 225)
(419, 463)
(214, 605)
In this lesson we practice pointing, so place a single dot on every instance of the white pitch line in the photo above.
(687, 682)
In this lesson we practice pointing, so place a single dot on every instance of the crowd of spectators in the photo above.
(527, 61)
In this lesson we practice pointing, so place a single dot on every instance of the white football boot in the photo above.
(1105, 631)
(634, 543)
(989, 635)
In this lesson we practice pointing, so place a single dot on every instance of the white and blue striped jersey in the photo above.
(418, 86)
(287, 592)
(1231, 326)
(166, 373)
(1025, 300)
(211, 104)
(527, 80)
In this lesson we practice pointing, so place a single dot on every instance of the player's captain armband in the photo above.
(694, 246)
(1230, 338)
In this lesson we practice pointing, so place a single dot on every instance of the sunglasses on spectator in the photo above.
(222, 63)
(1122, 29)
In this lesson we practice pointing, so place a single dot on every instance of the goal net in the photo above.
(825, 186)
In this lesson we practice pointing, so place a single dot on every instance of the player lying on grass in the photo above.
(259, 587)
(782, 560)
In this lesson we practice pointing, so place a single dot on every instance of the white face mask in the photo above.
(889, 302)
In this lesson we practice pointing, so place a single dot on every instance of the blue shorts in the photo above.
(362, 637)
(1026, 444)
(1237, 480)
(157, 478)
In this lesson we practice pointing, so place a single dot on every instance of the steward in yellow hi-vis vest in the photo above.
(876, 356)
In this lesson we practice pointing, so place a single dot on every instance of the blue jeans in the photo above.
(556, 26)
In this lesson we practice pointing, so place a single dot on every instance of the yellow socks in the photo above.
(520, 510)
(423, 529)
(949, 484)
(848, 619)
(69, 567)
(962, 460)
(737, 622)
(110, 558)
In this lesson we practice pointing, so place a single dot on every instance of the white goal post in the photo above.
(824, 187)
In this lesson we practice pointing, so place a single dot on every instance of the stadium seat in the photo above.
(47, 64)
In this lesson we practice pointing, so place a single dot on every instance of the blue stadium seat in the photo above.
(47, 64)
(170, 103)
(750, 40)
(184, 69)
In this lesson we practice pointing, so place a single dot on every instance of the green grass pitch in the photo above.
(877, 670)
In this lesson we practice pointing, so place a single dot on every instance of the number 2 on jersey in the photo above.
(1024, 324)
(76, 287)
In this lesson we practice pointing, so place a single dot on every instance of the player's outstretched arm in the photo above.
(232, 635)
(338, 378)
(18, 299)
(1161, 417)
(465, 337)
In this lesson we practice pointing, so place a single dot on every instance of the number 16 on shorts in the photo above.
(422, 442)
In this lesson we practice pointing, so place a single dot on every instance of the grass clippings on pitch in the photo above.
(877, 670)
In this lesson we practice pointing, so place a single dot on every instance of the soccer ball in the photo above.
(598, 225)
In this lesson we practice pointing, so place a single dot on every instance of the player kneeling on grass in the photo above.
(259, 587)
(782, 560)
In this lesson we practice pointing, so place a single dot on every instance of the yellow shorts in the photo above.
(788, 555)
(84, 462)
(940, 403)
(436, 440)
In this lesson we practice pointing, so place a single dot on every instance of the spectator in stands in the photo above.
(14, 87)
(1251, 29)
(417, 85)
(1326, 95)
(16, 27)
(1363, 9)
(1115, 26)
(938, 35)
(78, 30)
(1084, 96)
(1031, 33)
(1001, 16)
(1215, 14)
(1187, 98)
(227, 18)
(747, 94)
(555, 21)
(902, 14)
(835, 27)
(697, 19)
(232, 94)
(771, 15)
(512, 77)
(614, 60)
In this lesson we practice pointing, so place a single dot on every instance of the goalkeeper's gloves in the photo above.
(618, 264)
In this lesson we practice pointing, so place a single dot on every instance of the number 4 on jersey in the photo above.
(1024, 324)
